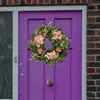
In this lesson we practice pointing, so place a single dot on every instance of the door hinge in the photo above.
(15, 59)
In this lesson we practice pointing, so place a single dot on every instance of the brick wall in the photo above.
(28, 2)
(93, 50)
(93, 39)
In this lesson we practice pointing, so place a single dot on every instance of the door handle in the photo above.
(22, 74)
(15, 59)
(50, 83)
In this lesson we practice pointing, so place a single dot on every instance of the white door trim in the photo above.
(15, 11)
(15, 55)
(84, 54)
(44, 8)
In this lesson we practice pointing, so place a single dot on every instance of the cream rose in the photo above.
(38, 40)
(51, 55)
(57, 35)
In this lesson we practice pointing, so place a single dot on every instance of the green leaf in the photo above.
(57, 55)
(50, 63)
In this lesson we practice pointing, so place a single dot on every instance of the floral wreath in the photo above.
(60, 44)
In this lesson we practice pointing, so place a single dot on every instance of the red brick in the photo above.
(98, 70)
(93, 13)
(98, 6)
(91, 58)
(71, 1)
(84, 1)
(91, 19)
(40, 1)
(90, 70)
(58, 1)
(93, 26)
(90, 82)
(98, 32)
(53, 1)
(90, 45)
(97, 45)
(35, 2)
(93, 1)
(98, 19)
(92, 38)
(66, 1)
(93, 51)
(10, 2)
(90, 32)
(77, 1)
(90, 7)
(0, 3)
(16, 2)
(28, 1)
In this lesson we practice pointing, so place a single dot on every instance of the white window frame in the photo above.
(15, 10)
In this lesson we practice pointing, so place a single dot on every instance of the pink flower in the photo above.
(57, 35)
(51, 55)
(40, 51)
(58, 49)
(44, 35)
(38, 40)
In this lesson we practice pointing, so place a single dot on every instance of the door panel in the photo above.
(33, 24)
(66, 76)
(64, 22)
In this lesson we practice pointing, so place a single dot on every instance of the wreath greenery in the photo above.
(60, 44)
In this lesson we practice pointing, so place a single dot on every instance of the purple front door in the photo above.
(66, 76)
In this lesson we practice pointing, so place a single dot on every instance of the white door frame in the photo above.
(15, 11)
